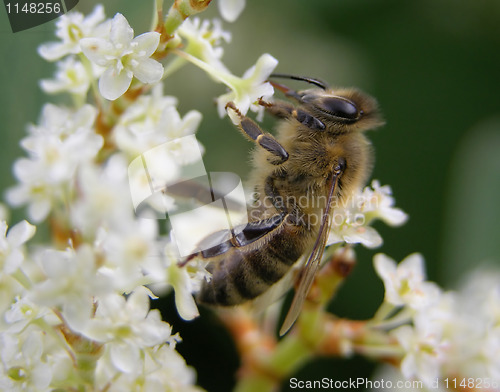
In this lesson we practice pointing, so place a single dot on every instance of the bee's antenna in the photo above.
(314, 81)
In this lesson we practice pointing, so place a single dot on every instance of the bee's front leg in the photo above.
(255, 133)
(286, 110)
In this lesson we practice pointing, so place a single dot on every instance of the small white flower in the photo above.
(166, 273)
(475, 329)
(11, 242)
(379, 204)
(39, 196)
(21, 313)
(71, 28)
(351, 232)
(203, 41)
(153, 120)
(352, 217)
(127, 327)
(72, 282)
(169, 371)
(104, 198)
(490, 353)
(184, 284)
(62, 142)
(124, 57)
(425, 350)
(23, 366)
(62, 121)
(405, 283)
(247, 90)
(231, 9)
(70, 76)
(162, 369)
(125, 250)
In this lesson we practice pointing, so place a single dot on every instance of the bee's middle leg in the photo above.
(256, 134)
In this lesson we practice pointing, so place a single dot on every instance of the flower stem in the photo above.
(383, 311)
(173, 66)
(180, 11)
(228, 79)
(22, 278)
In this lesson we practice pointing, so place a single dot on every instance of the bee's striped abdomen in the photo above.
(244, 273)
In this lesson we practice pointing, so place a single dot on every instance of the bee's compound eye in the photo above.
(340, 107)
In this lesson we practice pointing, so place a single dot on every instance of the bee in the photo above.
(319, 157)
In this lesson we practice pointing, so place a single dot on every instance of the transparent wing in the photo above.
(310, 268)
(202, 191)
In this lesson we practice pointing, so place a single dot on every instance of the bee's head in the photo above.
(349, 108)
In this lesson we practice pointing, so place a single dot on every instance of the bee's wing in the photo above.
(202, 192)
(313, 262)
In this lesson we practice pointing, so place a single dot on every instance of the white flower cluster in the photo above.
(454, 335)
(352, 218)
(63, 141)
(60, 305)
(76, 310)
(202, 49)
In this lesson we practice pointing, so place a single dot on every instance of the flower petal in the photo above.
(415, 265)
(231, 9)
(13, 261)
(262, 69)
(125, 357)
(55, 264)
(393, 216)
(138, 303)
(39, 209)
(97, 50)
(20, 233)
(96, 16)
(52, 51)
(113, 85)
(146, 44)
(384, 265)
(121, 32)
(77, 311)
(365, 235)
(148, 70)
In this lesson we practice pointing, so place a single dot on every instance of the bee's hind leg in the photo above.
(252, 130)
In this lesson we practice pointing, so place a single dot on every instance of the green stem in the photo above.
(173, 21)
(291, 353)
(383, 311)
(403, 316)
(255, 383)
(157, 11)
(382, 351)
(93, 82)
(173, 66)
(22, 278)
(228, 79)
(180, 11)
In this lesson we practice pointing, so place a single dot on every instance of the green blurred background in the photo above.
(434, 67)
